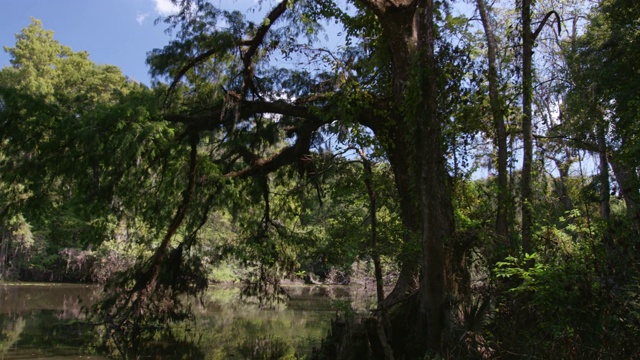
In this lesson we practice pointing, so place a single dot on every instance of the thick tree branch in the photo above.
(286, 156)
(180, 213)
(247, 57)
(308, 124)
(247, 108)
(582, 144)
(262, 31)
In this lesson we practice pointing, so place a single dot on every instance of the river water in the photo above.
(44, 321)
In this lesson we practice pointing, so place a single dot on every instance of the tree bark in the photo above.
(414, 143)
(435, 204)
(528, 42)
(404, 174)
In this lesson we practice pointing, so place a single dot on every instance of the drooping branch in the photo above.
(199, 59)
(208, 206)
(130, 299)
(179, 216)
(256, 41)
(264, 183)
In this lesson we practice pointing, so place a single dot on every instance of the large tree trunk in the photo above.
(414, 143)
(436, 206)
(419, 166)
(399, 30)
(404, 174)
(528, 41)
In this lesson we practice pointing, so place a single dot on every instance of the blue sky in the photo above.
(115, 32)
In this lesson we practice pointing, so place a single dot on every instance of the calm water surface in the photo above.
(43, 321)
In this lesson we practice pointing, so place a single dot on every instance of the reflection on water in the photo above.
(67, 299)
(45, 321)
(40, 321)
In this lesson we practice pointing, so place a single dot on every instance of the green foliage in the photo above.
(521, 270)
(61, 114)
(16, 246)
(570, 301)
(241, 167)
(603, 102)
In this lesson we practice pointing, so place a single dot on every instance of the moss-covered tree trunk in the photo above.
(414, 143)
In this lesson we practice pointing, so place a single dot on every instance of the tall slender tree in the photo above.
(528, 42)
(497, 112)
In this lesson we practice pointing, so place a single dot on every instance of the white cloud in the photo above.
(140, 18)
(165, 7)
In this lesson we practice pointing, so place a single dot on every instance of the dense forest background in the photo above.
(483, 167)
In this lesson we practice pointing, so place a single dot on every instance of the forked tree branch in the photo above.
(247, 58)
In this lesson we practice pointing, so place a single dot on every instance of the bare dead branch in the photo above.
(544, 22)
